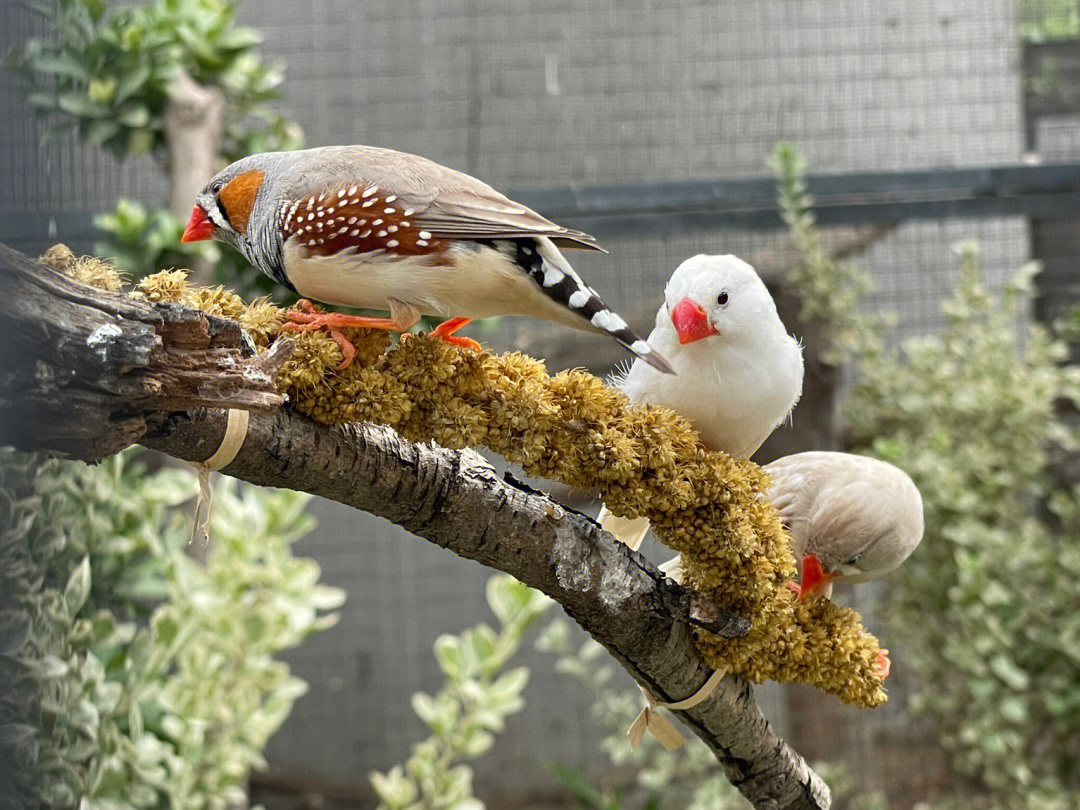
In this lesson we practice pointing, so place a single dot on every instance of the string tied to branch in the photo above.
(650, 720)
(236, 428)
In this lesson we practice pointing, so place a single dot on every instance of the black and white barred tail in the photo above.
(556, 279)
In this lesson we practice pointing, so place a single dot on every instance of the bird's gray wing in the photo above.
(453, 205)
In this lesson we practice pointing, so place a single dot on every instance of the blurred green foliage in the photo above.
(107, 71)
(829, 290)
(469, 710)
(1047, 20)
(141, 677)
(981, 415)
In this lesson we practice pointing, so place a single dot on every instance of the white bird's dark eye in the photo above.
(722, 298)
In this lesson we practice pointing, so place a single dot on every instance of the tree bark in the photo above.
(454, 499)
(194, 122)
(81, 367)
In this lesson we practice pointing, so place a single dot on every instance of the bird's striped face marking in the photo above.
(223, 209)
(237, 198)
(356, 217)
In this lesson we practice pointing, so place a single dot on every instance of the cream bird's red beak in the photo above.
(814, 577)
(691, 322)
(199, 227)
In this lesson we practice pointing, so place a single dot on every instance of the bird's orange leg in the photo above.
(446, 329)
(306, 319)
(882, 664)
(814, 578)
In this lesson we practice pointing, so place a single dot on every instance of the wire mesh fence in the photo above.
(557, 102)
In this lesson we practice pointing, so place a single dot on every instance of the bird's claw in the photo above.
(882, 665)
(306, 319)
(461, 341)
(446, 329)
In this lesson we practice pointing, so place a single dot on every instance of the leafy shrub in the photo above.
(973, 414)
(107, 72)
(829, 290)
(470, 708)
(139, 676)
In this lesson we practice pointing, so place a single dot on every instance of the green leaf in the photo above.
(509, 685)
(132, 82)
(506, 597)
(78, 587)
(134, 115)
(62, 63)
(102, 130)
(424, 706)
(80, 105)
(448, 656)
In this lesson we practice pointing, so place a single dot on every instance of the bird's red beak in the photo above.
(691, 322)
(199, 227)
(814, 577)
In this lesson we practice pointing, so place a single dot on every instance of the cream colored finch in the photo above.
(738, 371)
(850, 518)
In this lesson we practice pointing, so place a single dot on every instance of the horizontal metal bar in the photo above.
(1047, 192)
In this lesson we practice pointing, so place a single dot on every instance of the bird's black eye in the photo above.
(216, 186)
(722, 298)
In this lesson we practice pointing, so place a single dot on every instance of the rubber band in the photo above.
(650, 720)
(235, 432)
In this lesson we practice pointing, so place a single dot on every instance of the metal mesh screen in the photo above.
(570, 94)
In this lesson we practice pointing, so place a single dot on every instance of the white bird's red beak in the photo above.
(691, 322)
(199, 227)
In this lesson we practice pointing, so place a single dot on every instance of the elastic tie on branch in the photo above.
(652, 721)
(235, 432)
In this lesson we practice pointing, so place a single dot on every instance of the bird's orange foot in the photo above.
(446, 329)
(882, 666)
(306, 319)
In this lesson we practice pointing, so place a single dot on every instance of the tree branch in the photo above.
(81, 366)
(454, 499)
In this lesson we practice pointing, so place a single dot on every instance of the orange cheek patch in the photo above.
(238, 198)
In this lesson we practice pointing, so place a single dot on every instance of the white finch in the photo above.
(738, 371)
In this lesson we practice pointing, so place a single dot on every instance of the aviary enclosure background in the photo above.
(647, 124)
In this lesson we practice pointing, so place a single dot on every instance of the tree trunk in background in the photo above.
(194, 122)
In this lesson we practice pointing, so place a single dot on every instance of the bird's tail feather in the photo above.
(558, 281)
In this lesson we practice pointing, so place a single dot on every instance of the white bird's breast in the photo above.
(734, 398)
(469, 283)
